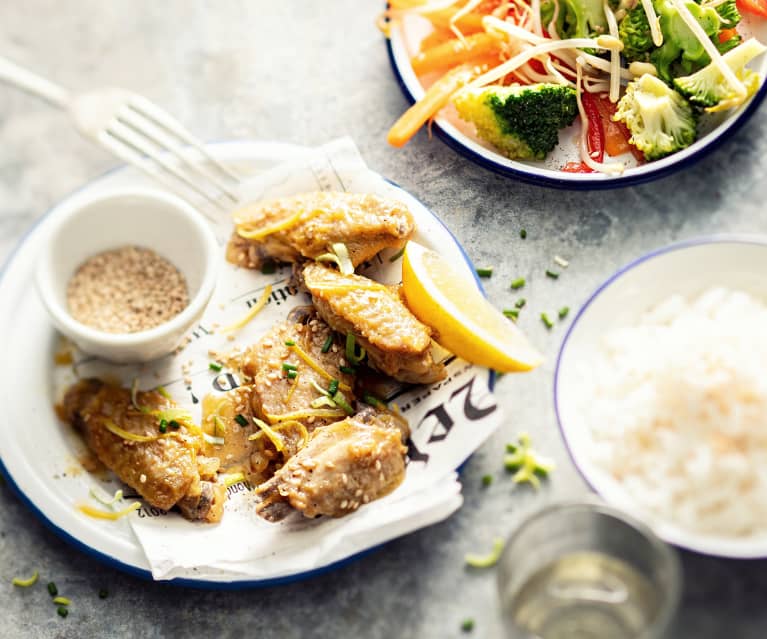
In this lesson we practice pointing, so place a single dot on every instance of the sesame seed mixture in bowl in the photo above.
(126, 290)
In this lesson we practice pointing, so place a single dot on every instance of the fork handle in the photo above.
(12, 73)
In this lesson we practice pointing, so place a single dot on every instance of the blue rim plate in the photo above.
(690, 278)
(547, 173)
(30, 482)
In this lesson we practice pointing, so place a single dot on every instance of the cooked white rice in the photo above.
(678, 412)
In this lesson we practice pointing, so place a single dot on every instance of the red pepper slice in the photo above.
(759, 7)
(596, 135)
(577, 167)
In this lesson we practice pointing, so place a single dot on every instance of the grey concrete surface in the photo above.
(307, 72)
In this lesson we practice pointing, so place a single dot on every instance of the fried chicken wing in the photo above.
(267, 364)
(164, 470)
(305, 226)
(397, 344)
(344, 465)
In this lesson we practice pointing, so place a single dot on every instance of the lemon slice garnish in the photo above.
(465, 322)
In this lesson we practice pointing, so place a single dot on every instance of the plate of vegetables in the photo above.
(582, 94)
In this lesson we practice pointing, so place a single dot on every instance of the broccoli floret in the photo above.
(634, 33)
(581, 19)
(708, 88)
(523, 122)
(661, 121)
(681, 51)
(728, 45)
(728, 14)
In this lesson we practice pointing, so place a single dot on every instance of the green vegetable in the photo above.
(163, 426)
(708, 87)
(511, 313)
(488, 560)
(728, 14)
(485, 272)
(552, 274)
(661, 121)
(577, 18)
(292, 374)
(523, 122)
(288, 367)
(215, 366)
(174, 424)
(354, 353)
(62, 601)
(467, 625)
(547, 320)
(518, 283)
(487, 480)
(328, 343)
(520, 303)
(634, 33)
(340, 401)
(241, 420)
(372, 400)
(347, 370)
(52, 590)
(525, 463)
(333, 387)
(62, 611)
(563, 312)
(21, 582)
(523, 234)
(289, 342)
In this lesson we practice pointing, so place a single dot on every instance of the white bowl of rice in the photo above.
(660, 392)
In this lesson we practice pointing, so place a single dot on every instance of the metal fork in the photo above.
(139, 133)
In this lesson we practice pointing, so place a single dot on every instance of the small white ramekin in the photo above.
(82, 227)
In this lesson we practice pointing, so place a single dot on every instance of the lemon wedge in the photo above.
(465, 323)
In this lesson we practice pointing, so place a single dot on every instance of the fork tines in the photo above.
(148, 137)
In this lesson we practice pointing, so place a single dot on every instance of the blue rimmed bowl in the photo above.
(687, 268)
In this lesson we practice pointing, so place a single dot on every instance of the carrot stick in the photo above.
(438, 36)
(433, 100)
(468, 24)
(454, 52)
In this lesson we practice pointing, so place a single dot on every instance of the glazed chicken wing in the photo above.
(344, 466)
(397, 344)
(164, 470)
(306, 226)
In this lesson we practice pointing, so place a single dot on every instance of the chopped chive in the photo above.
(241, 420)
(487, 480)
(269, 267)
(163, 392)
(546, 320)
(289, 367)
(522, 233)
(333, 387)
(292, 374)
(511, 313)
(467, 625)
(26, 583)
(397, 255)
(62, 601)
(174, 424)
(341, 402)
(52, 590)
(520, 302)
(62, 611)
(215, 366)
(354, 353)
(347, 370)
(103, 593)
(163, 426)
(485, 272)
(518, 283)
(328, 343)
(552, 274)
(563, 312)
(372, 400)
(289, 342)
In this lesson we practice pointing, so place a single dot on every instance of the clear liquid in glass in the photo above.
(584, 595)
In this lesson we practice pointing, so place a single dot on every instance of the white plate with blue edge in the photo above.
(38, 454)
(715, 129)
